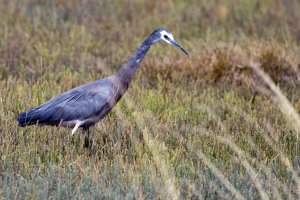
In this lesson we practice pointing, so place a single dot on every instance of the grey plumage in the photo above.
(85, 105)
(80, 103)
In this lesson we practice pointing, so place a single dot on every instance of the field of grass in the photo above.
(222, 123)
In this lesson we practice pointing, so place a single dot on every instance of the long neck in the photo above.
(125, 74)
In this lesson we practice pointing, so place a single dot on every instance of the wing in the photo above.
(79, 103)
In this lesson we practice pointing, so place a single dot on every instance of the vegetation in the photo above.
(221, 123)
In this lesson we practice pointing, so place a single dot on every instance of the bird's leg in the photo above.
(86, 138)
(92, 139)
(88, 142)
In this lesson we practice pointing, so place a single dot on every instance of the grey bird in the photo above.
(87, 104)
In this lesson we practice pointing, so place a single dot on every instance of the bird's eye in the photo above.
(166, 37)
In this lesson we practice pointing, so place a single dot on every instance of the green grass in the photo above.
(206, 126)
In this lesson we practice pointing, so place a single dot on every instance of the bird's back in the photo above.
(88, 103)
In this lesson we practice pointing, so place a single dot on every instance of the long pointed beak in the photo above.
(173, 42)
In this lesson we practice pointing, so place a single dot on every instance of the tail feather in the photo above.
(34, 116)
(28, 118)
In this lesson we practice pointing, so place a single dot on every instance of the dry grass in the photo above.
(221, 123)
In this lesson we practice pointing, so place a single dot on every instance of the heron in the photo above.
(84, 106)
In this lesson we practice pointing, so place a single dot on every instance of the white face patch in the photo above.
(164, 34)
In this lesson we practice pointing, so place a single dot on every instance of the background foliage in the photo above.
(211, 125)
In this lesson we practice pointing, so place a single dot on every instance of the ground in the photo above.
(220, 123)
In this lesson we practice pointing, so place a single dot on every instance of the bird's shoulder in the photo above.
(102, 90)
(103, 86)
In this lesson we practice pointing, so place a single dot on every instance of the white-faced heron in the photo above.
(87, 104)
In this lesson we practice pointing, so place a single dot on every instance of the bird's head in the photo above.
(166, 36)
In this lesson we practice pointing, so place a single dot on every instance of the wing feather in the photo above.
(77, 104)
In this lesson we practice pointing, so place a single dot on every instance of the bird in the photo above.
(84, 106)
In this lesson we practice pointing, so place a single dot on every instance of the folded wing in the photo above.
(80, 103)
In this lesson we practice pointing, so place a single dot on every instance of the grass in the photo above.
(221, 123)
